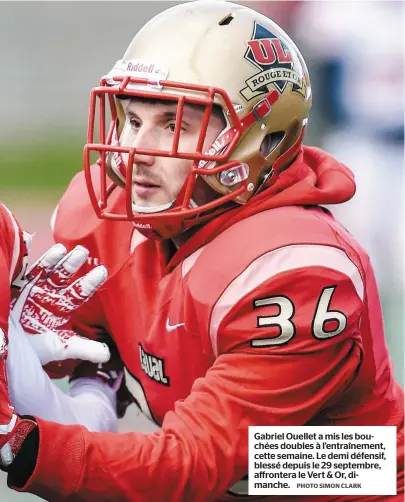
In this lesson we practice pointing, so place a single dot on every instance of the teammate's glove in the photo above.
(13, 429)
(48, 300)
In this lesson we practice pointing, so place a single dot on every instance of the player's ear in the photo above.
(111, 174)
(121, 103)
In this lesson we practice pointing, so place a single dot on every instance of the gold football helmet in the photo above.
(215, 54)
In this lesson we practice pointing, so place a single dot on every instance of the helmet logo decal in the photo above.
(277, 64)
(138, 68)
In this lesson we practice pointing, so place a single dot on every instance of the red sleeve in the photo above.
(13, 261)
(202, 447)
(5, 296)
(12, 253)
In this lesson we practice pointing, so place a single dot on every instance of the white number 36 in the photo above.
(284, 319)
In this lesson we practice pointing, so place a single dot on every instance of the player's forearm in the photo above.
(192, 458)
(129, 467)
(90, 403)
(93, 404)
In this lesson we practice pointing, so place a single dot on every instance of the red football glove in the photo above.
(13, 429)
(48, 300)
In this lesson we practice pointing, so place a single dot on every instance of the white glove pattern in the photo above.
(48, 300)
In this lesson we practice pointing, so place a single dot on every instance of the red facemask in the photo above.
(181, 214)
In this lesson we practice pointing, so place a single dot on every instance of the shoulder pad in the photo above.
(75, 222)
(74, 218)
(251, 237)
(231, 252)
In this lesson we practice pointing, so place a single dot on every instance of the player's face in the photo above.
(158, 180)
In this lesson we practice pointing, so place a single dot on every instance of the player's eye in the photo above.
(135, 123)
(172, 126)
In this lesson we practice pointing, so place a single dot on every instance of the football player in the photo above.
(234, 297)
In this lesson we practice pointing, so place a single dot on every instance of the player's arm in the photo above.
(13, 429)
(286, 351)
(50, 293)
(90, 401)
(5, 295)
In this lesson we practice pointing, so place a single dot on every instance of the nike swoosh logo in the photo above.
(172, 327)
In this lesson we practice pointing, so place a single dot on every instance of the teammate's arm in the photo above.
(90, 402)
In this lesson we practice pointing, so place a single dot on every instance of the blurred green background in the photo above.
(53, 53)
(46, 165)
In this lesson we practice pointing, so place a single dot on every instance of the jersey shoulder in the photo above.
(74, 217)
(288, 254)
(277, 240)
(235, 248)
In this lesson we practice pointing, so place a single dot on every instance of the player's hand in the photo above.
(48, 300)
(13, 429)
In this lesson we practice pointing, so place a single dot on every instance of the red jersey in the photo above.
(267, 315)
(13, 261)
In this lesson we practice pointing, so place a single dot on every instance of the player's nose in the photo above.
(146, 145)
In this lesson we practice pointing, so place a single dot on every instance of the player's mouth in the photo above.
(144, 187)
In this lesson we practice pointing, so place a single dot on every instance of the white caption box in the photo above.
(322, 460)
